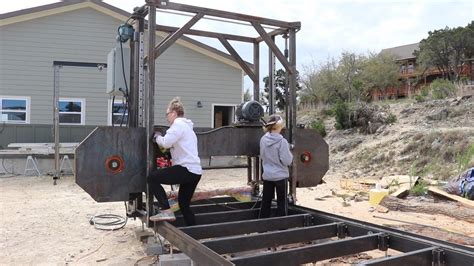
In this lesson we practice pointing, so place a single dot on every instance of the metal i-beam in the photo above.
(271, 34)
(311, 253)
(221, 217)
(207, 34)
(422, 257)
(173, 37)
(239, 59)
(247, 227)
(217, 207)
(271, 44)
(271, 239)
(197, 252)
(225, 14)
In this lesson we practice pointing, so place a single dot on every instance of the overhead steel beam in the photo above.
(271, 44)
(239, 59)
(422, 257)
(197, 252)
(225, 14)
(271, 239)
(207, 34)
(271, 34)
(173, 37)
(247, 227)
(311, 253)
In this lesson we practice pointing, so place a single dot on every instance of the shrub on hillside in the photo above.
(318, 125)
(341, 112)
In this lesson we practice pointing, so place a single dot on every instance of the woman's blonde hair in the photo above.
(177, 106)
(275, 122)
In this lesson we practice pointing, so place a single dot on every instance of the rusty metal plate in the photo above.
(310, 171)
(111, 163)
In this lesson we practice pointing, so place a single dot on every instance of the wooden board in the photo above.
(459, 199)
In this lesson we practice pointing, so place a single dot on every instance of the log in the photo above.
(451, 210)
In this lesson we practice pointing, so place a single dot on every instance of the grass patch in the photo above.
(419, 189)
(465, 158)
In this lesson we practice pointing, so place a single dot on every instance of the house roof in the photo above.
(403, 52)
(70, 5)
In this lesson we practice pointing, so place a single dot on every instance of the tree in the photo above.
(447, 50)
(322, 84)
(350, 68)
(380, 72)
(281, 92)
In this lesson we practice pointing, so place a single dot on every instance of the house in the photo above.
(208, 81)
(411, 76)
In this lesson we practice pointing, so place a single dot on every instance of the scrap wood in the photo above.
(381, 209)
(464, 201)
(401, 192)
(458, 212)
(394, 180)
(368, 181)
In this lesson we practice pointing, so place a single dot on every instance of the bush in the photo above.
(419, 98)
(391, 118)
(318, 125)
(425, 91)
(341, 113)
(441, 88)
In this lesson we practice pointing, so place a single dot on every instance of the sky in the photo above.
(328, 27)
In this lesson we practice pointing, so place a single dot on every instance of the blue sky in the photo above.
(329, 27)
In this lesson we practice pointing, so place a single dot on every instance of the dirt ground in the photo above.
(45, 224)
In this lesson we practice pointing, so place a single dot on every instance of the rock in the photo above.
(348, 145)
(438, 115)
(436, 144)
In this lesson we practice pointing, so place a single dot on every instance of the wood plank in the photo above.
(401, 192)
(459, 199)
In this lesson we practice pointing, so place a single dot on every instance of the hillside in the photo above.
(433, 140)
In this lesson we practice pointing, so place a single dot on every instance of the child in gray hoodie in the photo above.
(276, 157)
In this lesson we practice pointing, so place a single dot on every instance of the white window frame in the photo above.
(224, 105)
(109, 111)
(28, 108)
(82, 113)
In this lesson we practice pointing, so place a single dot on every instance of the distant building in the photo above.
(412, 77)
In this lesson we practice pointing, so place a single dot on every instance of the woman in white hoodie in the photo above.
(276, 157)
(186, 170)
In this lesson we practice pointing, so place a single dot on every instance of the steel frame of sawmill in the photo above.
(229, 232)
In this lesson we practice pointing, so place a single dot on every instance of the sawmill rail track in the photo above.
(230, 233)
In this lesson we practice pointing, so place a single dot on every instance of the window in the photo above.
(71, 111)
(118, 113)
(14, 109)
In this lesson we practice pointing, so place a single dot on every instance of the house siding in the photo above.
(29, 48)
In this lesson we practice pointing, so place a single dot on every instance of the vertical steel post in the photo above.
(150, 96)
(256, 71)
(271, 80)
(292, 104)
(56, 123)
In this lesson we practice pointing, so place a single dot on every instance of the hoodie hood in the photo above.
(186, 121)
(270, 139)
